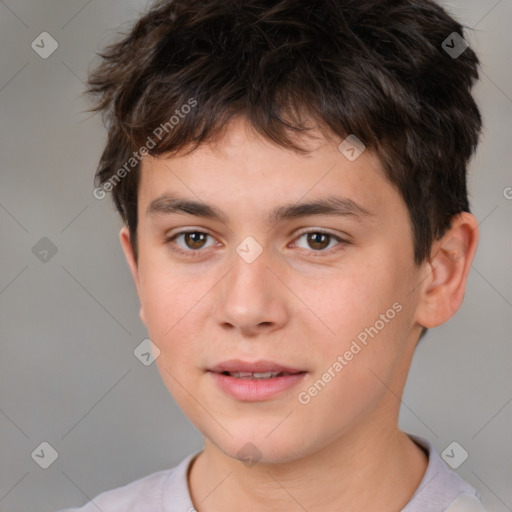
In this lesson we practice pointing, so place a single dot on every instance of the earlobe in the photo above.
(126, 244)
(449, 266)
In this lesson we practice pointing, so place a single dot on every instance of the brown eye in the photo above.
(318, 241)
(195, 239)
(190, 243)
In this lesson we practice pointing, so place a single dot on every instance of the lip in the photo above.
(254, 390)
(237, 365)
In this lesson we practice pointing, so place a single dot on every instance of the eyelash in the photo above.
(199, 252)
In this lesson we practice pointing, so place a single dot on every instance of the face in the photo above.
(261, 282)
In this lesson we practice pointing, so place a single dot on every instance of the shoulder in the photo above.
(441, 489)
(147, 493)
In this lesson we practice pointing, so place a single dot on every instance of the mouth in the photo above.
(255, 381)
(254, 370)
(257, 375)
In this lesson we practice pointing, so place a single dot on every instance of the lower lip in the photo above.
(254, 390)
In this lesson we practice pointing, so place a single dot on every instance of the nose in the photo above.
(251, 299)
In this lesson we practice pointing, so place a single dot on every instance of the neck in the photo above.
(373, 470)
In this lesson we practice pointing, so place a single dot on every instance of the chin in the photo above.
(251, 445)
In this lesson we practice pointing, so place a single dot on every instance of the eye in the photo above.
(319, 241)
(191, 241)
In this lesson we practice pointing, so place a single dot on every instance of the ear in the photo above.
(447, 269)
(126, 244)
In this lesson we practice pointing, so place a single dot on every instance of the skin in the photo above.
(298, 304)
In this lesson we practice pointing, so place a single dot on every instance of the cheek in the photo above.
(356, 370)
(170, 309)
(166, 296)
(352, 301)
(365, 316)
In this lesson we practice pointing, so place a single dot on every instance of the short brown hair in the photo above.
(373, 68)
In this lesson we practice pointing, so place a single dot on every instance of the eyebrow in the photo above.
(168, 204)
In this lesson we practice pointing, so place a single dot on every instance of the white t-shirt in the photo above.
(440, 490)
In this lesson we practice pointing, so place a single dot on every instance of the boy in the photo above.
(292, 179)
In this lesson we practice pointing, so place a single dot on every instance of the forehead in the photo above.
(243, 170)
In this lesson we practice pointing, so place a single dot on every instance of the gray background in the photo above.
(69, 326)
